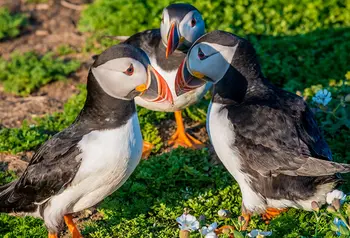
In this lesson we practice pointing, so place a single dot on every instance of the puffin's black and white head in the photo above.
(213, 57)
(125, 72)
(181, 26)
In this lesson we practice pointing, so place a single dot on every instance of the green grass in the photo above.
(298, 42)
(10, 24)
(37, 1)
(149, 202)
(65, 50)
(24, 73)
(271, 17)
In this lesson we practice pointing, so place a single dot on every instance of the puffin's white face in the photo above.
(119, 77)
(126, 78)
(191, 27)
(210, 60)
(181, 33)
(204, 62)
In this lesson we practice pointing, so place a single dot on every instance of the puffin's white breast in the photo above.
(108, 159)
(180, 102)
(222, 136)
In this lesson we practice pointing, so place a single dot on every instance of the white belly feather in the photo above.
(222, 136)
(180, 102)
(108, 159)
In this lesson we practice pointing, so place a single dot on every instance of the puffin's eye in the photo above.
(201, 55)
(129, 71)
(162, 18)
(193, 22)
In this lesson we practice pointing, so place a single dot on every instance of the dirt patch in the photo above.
(50, 26)
(13, 110)
(15, 163)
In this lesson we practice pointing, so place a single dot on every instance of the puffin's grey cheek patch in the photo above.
(216, 64)
(189, 32)
(114, 82)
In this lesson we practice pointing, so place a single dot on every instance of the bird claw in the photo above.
(146, 150)
(183, 139)
(271, 213)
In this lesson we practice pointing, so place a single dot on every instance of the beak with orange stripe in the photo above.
(174, 39)
(155, 89)
(187, 81)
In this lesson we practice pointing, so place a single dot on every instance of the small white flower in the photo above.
(338, 222)
(224, 213)
(188, 222)
(322, 97)
(209, 232)
(335, 194)
(260, 234)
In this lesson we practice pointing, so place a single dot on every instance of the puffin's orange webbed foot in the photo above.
(271, 213)
(181, 138)
(147, 149)
(246, 221)
(72, 227)
(53, 235)
(226, 229)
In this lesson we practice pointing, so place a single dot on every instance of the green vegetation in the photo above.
(296, 40)
(149, 202)
(10, 24)
(303, 46)
(272, 17)
(37, 1)
(26, 72)
(296, 62)
(65, 50)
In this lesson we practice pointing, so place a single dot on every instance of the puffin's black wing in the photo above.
(279, 135)
(309, 132)
(52, 167)
(147, 40)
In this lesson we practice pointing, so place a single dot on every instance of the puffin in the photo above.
(81, 165)
(266, 137)
(181, 25)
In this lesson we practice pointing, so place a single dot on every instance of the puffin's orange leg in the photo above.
(147, 149)
(271, 213)
(246, 220)
(71, 226)
(180, 137)
(53, 235)
(246, 215)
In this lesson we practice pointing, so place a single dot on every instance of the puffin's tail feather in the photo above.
(11, 201)
(5, 186)
(318, 167)
(5, 193)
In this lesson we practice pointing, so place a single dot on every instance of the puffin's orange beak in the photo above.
(185, 82)
(156, 89)
(173, 39)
